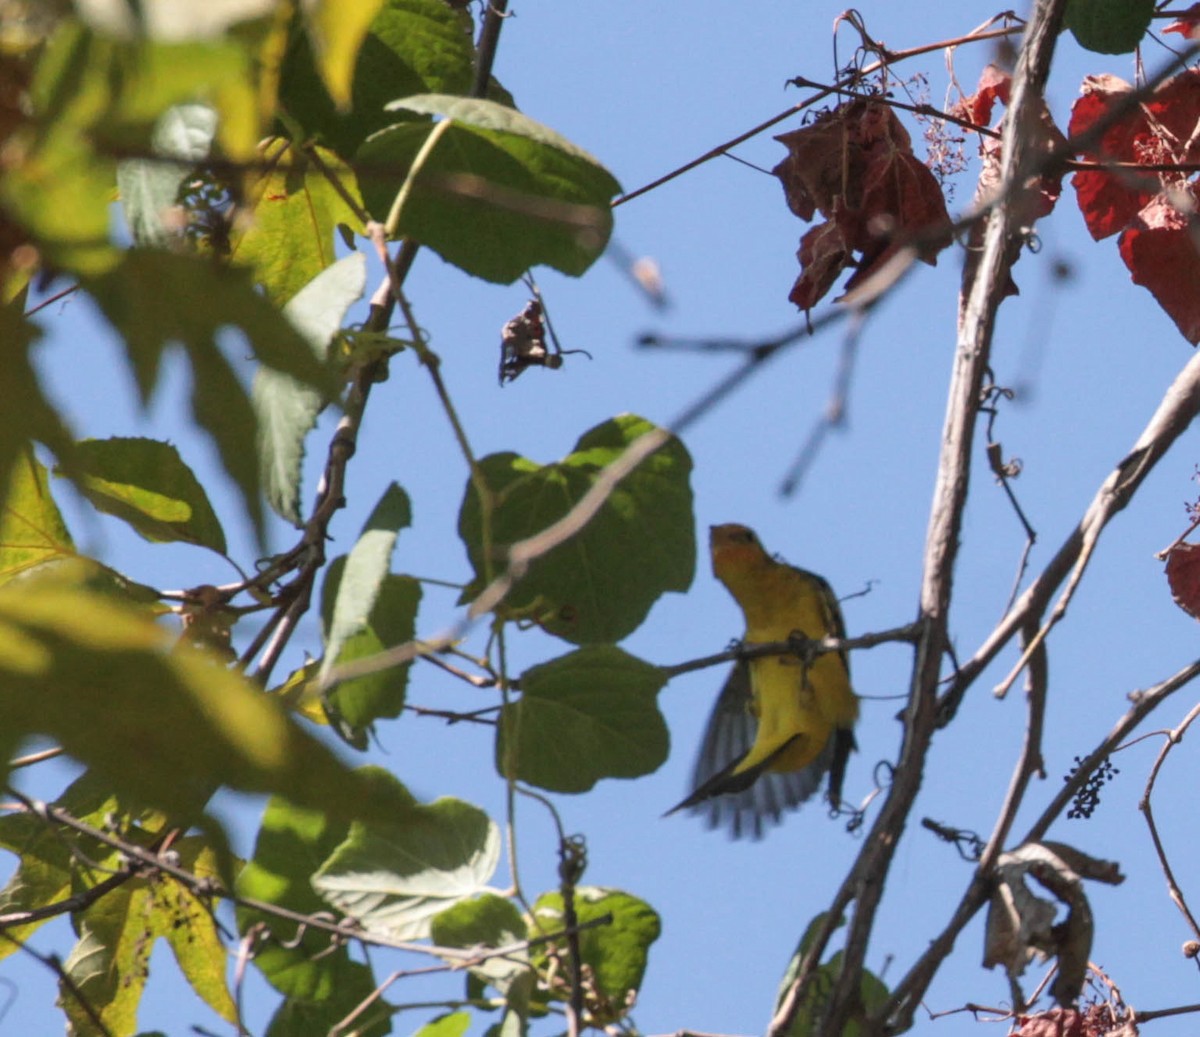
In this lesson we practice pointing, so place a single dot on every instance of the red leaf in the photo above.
(1188, 22)
(994, 84)
(823, 255)
(855, 166)
(1159, 130)
(1161, 255)
(1183, 577)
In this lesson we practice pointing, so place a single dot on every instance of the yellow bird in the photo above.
(780, 723)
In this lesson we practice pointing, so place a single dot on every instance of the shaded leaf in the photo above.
(154, 299)
(1108, 26)
(808, 1019)
(497, 194)
(299, 1018)
(411, 47)
(286, 406)
(589, 715)
(292, 844)
(599, 584)
(166, 728)
(855, 166)
(145, 483)
(1183, 577)
(393, 877)
(616, 953)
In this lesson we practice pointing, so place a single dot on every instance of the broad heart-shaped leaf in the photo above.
(110, 963)
(394, 876)
(412, 47)
(599, 584)
(497, 194)
(292, 844)
(164, 727)
(32, 531)
(145, 483)
(365, 609)
(156, 298)
(286, 407)
(589, 715)
(1108, 26)
(289, 238)
(616, 953)
(51, 860)
(150, 187)
(297, 1018)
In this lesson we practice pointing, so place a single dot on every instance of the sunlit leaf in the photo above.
(394, 877)
(32, 531)
(145, 483)
(615, 952)
(293, 211)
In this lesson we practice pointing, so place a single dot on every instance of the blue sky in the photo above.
(645, 87)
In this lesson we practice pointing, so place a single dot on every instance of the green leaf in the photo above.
(454, 1024)
(145, 483)
(52, 860)
(807, 1022)
(489, 922)
(497, 194)
(150, 187)
(117, 933)
(588, 715)
(354, 705)
(32, 531)
(294, 211)
(286, 407)
(615, 953)
(94, 97)
(298, 1018)
(166, 727)
(156, 298)
(292, 844)
(28, 415)
(1109, 26)
(347, 604)
(412, 47)
(599, 585)
(393, 877)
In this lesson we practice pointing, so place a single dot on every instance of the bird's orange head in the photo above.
(736, 552)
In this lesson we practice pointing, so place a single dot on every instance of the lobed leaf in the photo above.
(589, 715)
(599, 585)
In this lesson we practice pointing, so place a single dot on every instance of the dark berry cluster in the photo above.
(1088, 796)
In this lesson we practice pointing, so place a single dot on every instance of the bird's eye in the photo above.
(747, 535)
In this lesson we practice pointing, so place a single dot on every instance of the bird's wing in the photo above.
(745, 801)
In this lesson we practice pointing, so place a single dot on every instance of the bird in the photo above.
(780, 722)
